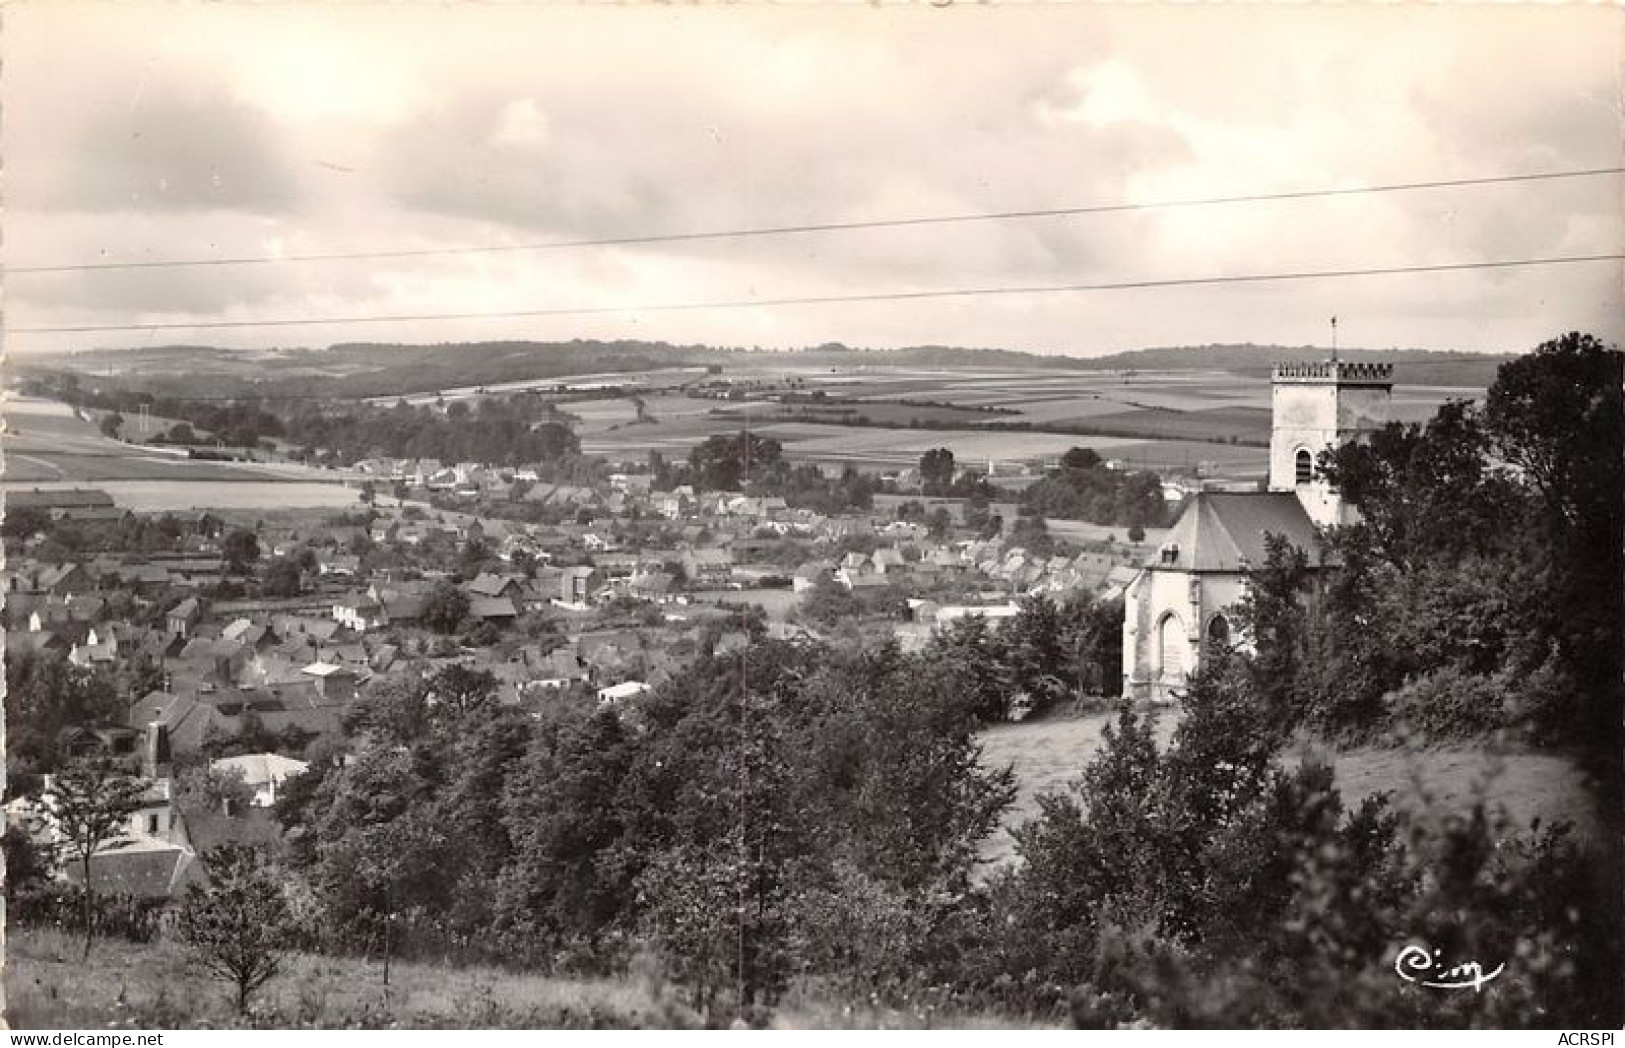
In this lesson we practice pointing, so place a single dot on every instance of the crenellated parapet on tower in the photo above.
(1318, 405)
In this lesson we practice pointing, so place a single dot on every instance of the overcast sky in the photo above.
(136, 133)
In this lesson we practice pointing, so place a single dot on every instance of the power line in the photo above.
(814, 300)
(823, 227)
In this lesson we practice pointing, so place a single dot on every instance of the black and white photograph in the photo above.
(805, 517)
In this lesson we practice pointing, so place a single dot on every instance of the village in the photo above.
(246, 638)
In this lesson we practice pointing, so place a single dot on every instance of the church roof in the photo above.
(1224, 531)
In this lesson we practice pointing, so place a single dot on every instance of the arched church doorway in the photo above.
(1171, 659)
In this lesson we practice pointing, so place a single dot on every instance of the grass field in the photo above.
(156, 986)
(48, 441)
(1049, 754)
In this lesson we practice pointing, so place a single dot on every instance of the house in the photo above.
(184, 616)
(334, 683)
(621, 692)
(59, 503)
(318, 631)
(359, 612)
(297, 709)
(672, 506)
(577, 585)
(263, 773)
(888, 560)
(708, 566)
(492, 609)
(488, 584)
(609, 651)
(559, 668)
(1182, 601)
(341, 565)
(111, 743)
(807, 575)
(144, 869)
(859, 581)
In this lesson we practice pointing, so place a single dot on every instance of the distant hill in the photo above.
(366, 369)
(1417, 366)
(373, 369)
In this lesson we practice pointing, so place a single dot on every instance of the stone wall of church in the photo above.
(1166, 618)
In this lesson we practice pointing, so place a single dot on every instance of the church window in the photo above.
(1304, 467)
(1218, 632)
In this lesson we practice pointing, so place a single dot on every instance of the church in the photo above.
(1182, 601)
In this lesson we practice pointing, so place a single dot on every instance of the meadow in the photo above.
(1049, 754)
(146, 986)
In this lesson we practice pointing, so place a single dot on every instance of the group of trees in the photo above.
(1084, 489)
(1051, 652)
(501, 431)
(790, 779)
(1480, 588)
(45, 694)
(753, 464)
(136, 533)
(513, 430)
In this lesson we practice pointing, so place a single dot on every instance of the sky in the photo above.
(142, 133)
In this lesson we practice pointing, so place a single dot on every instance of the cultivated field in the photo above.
(1049, 754)
(47, 444)
(1198, 419)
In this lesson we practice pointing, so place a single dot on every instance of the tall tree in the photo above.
(444, 607)
(89, 804)
(241, 549)
(937, 469)
(238, 922)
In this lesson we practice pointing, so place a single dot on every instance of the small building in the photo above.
(264, 773)
(709, 566)
(621, 692)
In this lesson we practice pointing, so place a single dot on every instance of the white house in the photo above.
(263, 772)
(621, 692)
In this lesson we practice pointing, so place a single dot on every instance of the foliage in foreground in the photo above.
(1209, 886)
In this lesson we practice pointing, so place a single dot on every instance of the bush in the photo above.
(114, 915)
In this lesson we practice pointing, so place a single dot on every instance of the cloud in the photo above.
(240, 129)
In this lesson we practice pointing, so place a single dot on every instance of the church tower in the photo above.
(1316, 406)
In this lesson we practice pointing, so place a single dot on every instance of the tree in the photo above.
(1136, 534)
(46, 693)
(461, 690)
(24, 523)
(213, 790)
(444, 607)
(723, 463)
(1081, 458)
(937, 469)
(110, 424)
(241, 549)
(1557, 414)
(282, 578)
(238, 923)
(89, 803)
